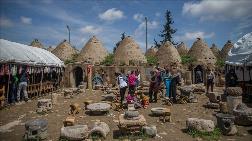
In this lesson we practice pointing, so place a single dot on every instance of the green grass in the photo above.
(209, 136)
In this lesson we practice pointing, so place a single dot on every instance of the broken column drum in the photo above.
(36, 129)
(243, 115)
(226, 123)
(44, 105)
(232, 102)
(76, 132)
(98, 108)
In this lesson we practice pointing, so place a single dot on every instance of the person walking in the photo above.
(22, 87)
(210, 81)
(157, 83)
(122, 82)
(132, 82)
(151, 86)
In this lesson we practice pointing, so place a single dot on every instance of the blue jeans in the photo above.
(22, 87)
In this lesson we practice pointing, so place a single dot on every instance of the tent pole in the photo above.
(8, 89)
(41, 82)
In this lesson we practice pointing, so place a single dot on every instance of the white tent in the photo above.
(11, 52)
(241, 53)
(240, 58)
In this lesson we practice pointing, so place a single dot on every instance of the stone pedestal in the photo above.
(232, 102)
(226, 123)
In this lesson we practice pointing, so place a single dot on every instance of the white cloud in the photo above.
(111, 15)
(91, 29)
(138, 17)
(208, 10)
(193, 35)
(141, 27)
(5, 22)
(26, 20)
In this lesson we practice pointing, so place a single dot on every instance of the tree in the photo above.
(168, 31)
(157, 45)
(117, 44)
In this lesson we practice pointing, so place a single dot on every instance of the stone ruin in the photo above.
(44, 105)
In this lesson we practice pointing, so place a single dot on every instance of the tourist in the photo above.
(198, 76)
(13, 90)
(132, 82)
(175, 80)
(151, 86)
(122, 82)
(166, 77)
(157, 83)
(22, 87)
(231, 78)
(210, 81)
(97, 80)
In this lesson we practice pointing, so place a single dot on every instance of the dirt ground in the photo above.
(170, 131)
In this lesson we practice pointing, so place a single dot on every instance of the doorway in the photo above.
(198, 74)
(78, 76)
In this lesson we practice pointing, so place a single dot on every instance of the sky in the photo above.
(216, 21)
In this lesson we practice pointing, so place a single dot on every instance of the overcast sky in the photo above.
(214, 20)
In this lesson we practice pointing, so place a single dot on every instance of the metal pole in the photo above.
(68, 33)
(146, 34)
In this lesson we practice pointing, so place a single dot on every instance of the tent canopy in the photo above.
(11, 52)
(241, 53)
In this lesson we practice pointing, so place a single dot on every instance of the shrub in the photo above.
(152, 60)
(186, 59)
(108, 60)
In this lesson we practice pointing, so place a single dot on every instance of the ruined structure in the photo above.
(64, 51)
(129, 53)
(50, 48)
(93, 52)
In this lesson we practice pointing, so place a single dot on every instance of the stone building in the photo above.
(167, 54)
(151, 52)
(129, 53)
(36, 43)
(215, 50)
(226, 48)
(93, 52)
(182, 49)
(64, 51)
(204, 60)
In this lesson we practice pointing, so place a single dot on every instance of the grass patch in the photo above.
(209, 136)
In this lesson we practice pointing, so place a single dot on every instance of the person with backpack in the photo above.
(132, 78)
(122, 82)
(22, 87)
(210, 81)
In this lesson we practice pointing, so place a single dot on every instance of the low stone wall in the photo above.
(69, 77)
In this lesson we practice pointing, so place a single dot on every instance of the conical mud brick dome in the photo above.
(64, 51)
(36, 43)
(182, 49)
(202, 53)
(215, 51)
(226, 48)
(151, 52)
(129, 51)
(93, 52)
(167, 54)
(50, 48)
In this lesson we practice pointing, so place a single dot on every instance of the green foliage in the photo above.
(152, 60)
(168, 31)
(108, 60)
(220, 63)
(209, 136)
(186, 59)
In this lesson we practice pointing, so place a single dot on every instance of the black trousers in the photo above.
(210, 84)
(132, 90)
(152, 93)
(122, 93)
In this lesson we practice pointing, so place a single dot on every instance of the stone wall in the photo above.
(69, 76)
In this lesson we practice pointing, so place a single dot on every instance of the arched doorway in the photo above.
(198, 74)
(78, 76)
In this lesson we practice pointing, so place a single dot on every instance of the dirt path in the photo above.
(172, 131)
